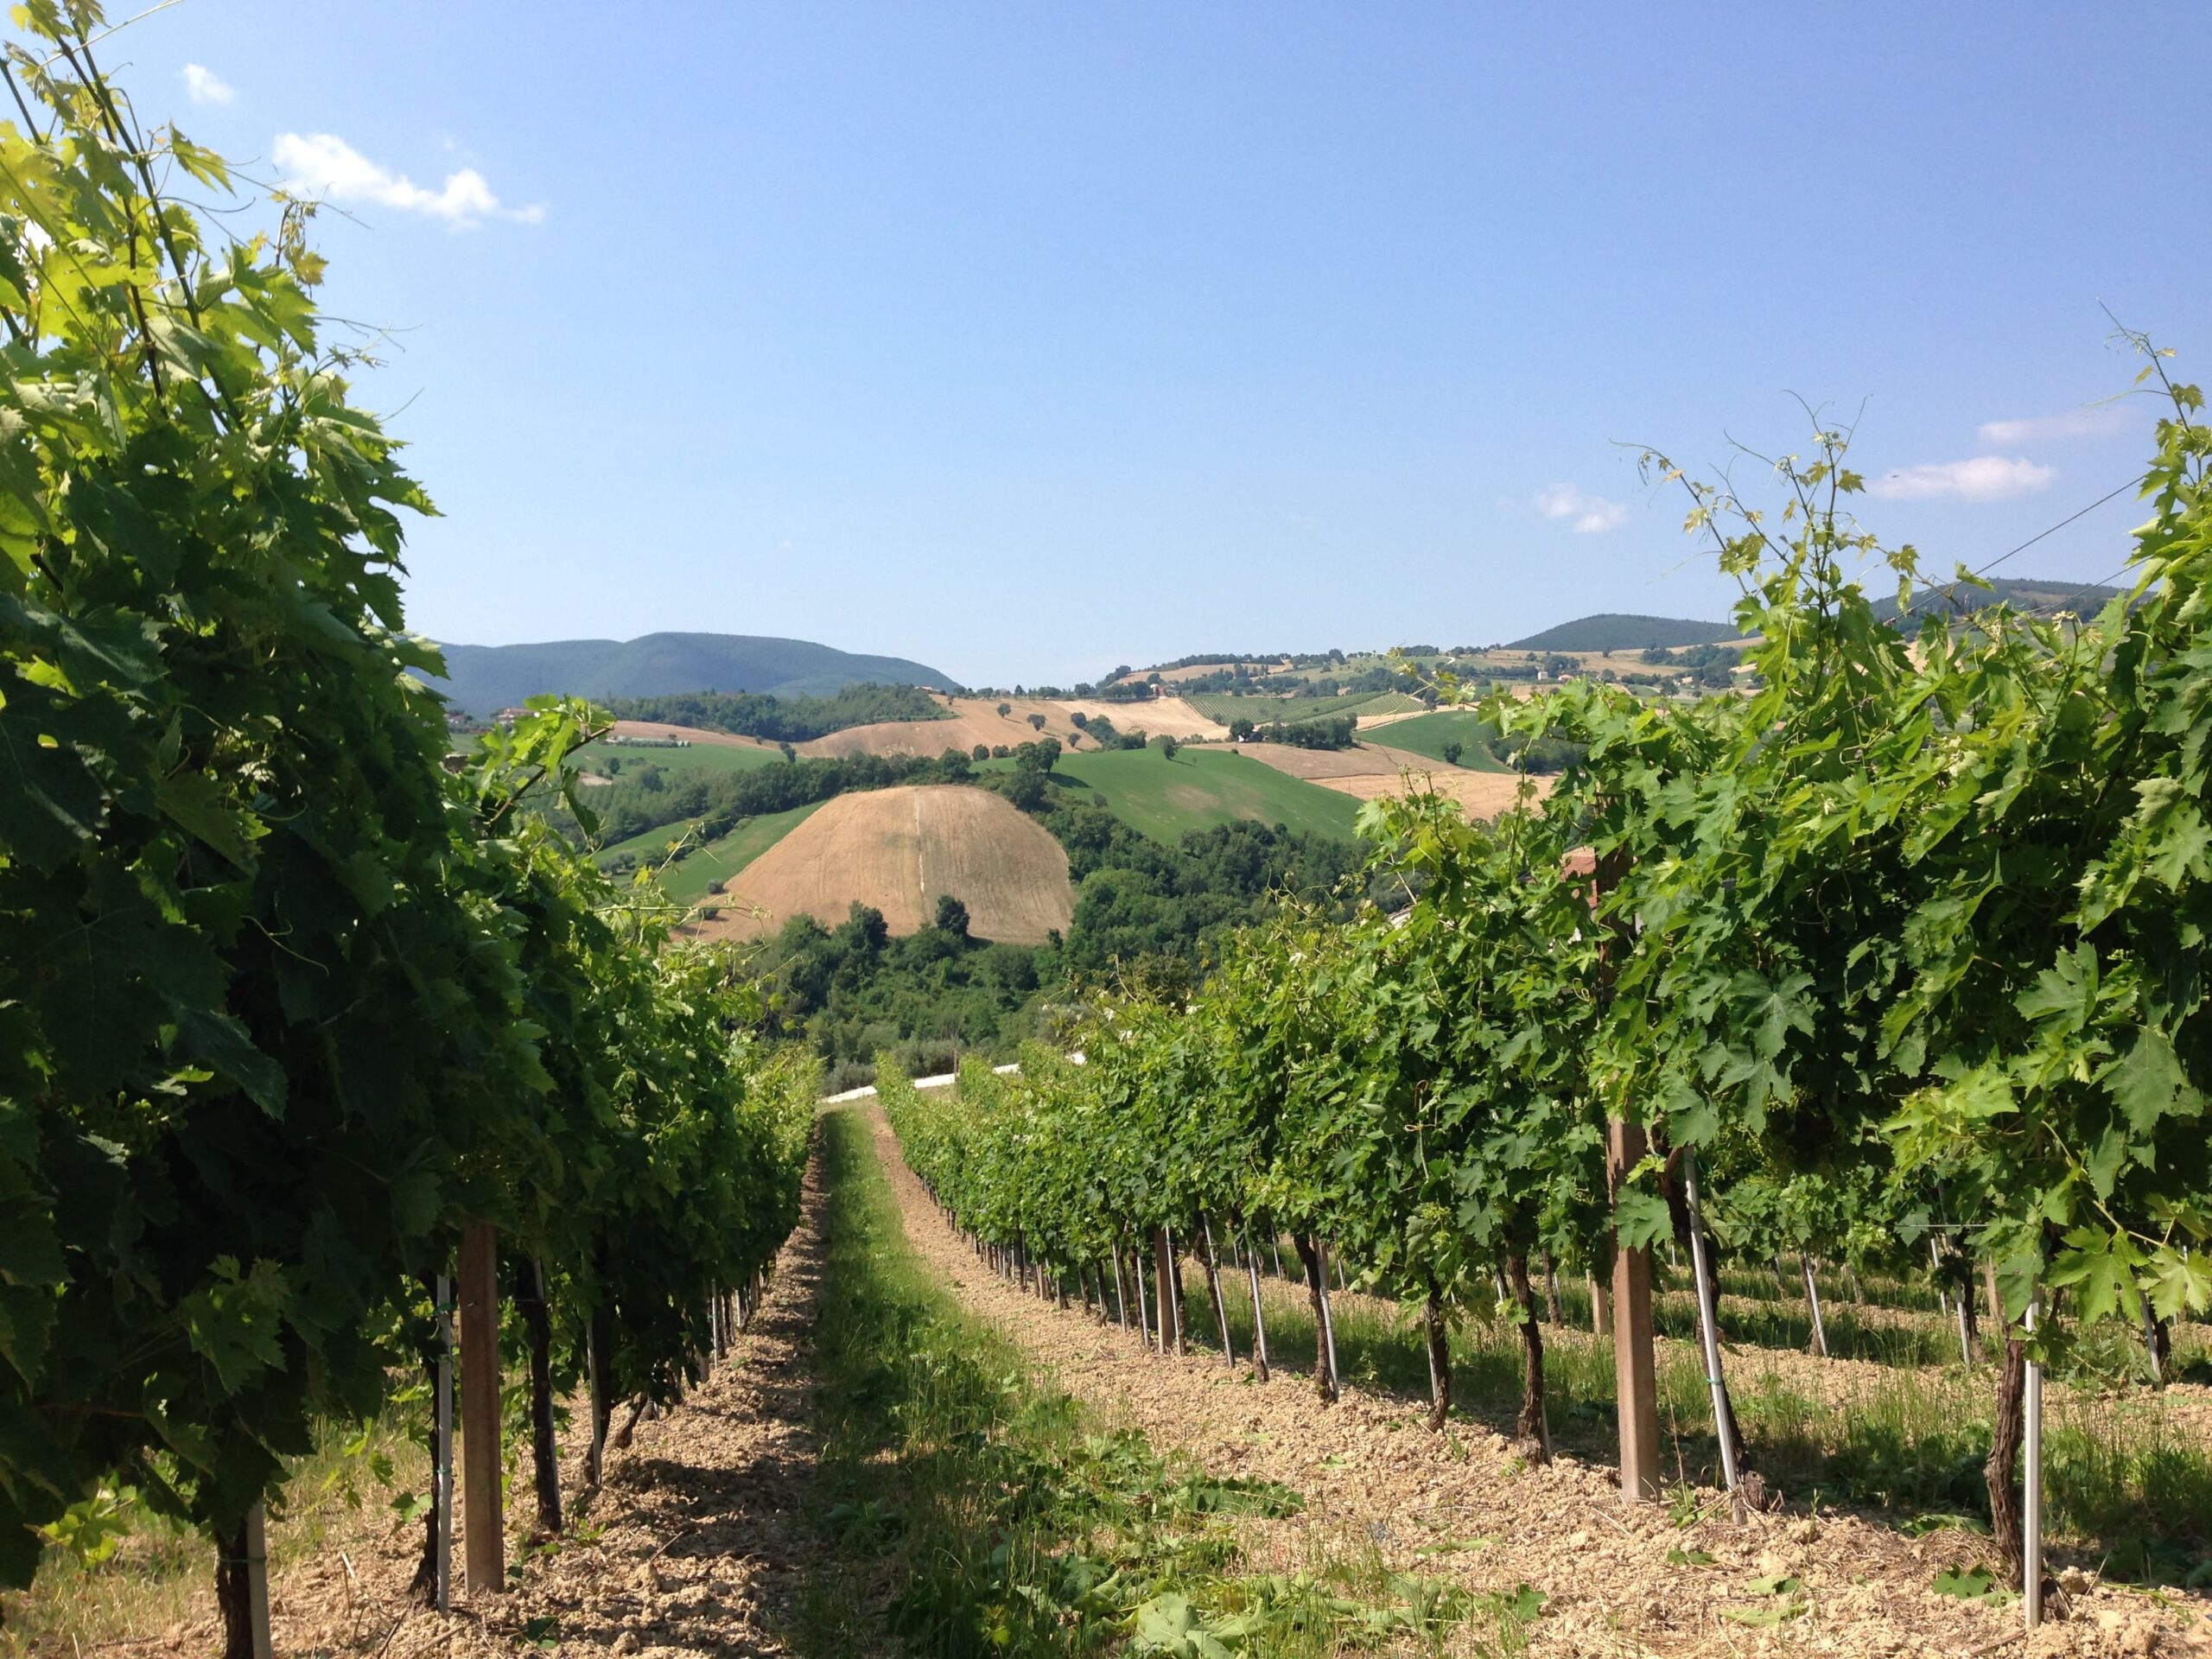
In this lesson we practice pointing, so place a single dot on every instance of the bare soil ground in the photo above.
(901, 849)
(1368, 769)
(1464, 1505)
(692, 1546)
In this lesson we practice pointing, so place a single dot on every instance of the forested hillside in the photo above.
(481, 680)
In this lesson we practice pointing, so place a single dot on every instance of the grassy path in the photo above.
(966, 1504)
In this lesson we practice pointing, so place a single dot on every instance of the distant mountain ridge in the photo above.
(2021, 592)
(1611, 631)
(483, 679)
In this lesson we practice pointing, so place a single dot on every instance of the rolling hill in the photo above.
(1612, 631)
(900, 850)
(2022, 594)
(483, 679)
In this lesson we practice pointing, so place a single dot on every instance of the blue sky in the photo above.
(1026, 340)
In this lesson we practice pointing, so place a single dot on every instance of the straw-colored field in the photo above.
(899, 850)
(1371, 769)
(976, 720)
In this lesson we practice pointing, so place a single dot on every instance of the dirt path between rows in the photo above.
(694, 1545)
(1463, 1506)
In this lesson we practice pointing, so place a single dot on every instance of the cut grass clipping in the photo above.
(970, 1508)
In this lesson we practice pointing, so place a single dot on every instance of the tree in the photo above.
(1169, 746)
(1452, 752)
(1036, 722)
(1240, 729)
(1005, 709)
(787, 751)
(951, 916)
(981, 752)
(1082, 720)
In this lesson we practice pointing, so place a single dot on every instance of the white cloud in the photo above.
(2093, 422)
(323, 164)
(1592, 514)
(203, 85)
(1984, 478)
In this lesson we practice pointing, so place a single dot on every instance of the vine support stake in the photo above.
(1634, 1371)
(1259, 1320)
(1170, 1334)
(441, 1443)
(479, 1408)
(256, 1577)
(2031, 1521)
(1708, 1324)
(1813, 1299)
(1213, 1289)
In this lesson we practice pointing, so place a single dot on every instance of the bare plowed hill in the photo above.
(1371, 769)
(899, 850)
(976, 720)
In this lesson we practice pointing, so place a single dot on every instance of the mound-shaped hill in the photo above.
(1611, 631)
(900, 850)
(483, 679)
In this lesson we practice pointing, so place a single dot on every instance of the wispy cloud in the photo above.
(1592, 515)
(322, 165)
(2095, 422)
(1984, 478)
(203, 85)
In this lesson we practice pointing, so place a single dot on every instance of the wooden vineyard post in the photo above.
(479, 1408)
(1708, 1325)
(600, 1364)
(441, 1444)
(1634, 1371)
(256, 1577)
(1636, 1377)
(1170, 1332)
(1601, 1306)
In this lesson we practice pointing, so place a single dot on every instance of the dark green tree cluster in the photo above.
(784, 720)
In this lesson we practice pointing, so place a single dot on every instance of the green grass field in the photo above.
(1427, 735)
(651, 846)
(707, 758)
(718, 861)
(1201, 787)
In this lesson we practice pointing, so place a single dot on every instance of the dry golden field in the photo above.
(1371, 769)
(899, 850)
